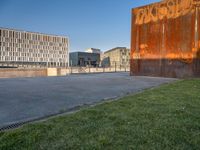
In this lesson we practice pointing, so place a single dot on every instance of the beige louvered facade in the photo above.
(32, 49)
(119, 56)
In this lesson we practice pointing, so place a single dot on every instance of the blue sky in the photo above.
(101, 24)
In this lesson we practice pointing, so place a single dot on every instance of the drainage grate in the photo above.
(17, 125)
(70, 110)
(12, 126)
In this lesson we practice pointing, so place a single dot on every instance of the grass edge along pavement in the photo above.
(167, 117)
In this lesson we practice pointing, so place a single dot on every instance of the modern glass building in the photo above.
(22, 48)
(83, 59)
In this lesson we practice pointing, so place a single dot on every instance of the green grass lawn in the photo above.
(167, 117)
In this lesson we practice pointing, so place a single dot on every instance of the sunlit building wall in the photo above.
(165, 39)
(32, 49)
(118, 56)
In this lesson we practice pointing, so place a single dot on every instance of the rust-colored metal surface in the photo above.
(165, 39)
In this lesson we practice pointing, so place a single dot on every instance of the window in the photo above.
(4, 33)
(10, 34)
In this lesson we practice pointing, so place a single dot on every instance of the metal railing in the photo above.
(114, 67)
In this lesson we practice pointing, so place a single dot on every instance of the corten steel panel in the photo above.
(165, 39)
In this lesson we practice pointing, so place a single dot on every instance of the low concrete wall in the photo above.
(19, 73)
(57, 72)
(52, 72)
(45, 72)
(63, 71)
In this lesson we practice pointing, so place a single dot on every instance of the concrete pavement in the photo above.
(25, 99)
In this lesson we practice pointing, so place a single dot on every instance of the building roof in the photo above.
(3, 28)
(93, 49)
(116, 48)
(161, 1)
(84, 53)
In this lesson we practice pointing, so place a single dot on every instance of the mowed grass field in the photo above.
(167, 117)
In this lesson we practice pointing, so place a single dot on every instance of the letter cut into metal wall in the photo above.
(165, 39)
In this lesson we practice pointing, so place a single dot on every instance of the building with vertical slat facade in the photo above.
(119, 56)
(32, 49)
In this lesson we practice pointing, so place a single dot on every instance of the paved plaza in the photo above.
(26, 99)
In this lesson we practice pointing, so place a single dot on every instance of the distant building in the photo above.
(93, 50)
(30, 48)
(119, 56)
(84, 59)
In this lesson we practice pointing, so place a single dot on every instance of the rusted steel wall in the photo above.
(165, 39)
